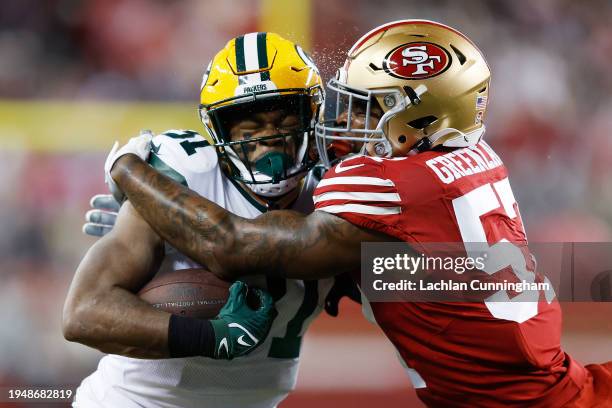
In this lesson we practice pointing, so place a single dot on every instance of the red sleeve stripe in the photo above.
(356, 196)
(370, 181)
(360, 209)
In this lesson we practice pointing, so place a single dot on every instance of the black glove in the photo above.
(344, 285)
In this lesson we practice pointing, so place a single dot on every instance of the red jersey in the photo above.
(458, 354)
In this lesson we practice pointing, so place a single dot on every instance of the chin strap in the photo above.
(465, 139)
(274, 189)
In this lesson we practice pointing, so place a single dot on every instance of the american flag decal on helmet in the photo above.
(481, 102)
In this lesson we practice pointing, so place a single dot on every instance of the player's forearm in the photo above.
(293, 245)
(228, 245)
(194, 225)
(279, 243)
(101, 309)
(117, 322)
(110, 318)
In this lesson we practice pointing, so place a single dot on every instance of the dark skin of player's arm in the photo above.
(102, 310)
(278, 243)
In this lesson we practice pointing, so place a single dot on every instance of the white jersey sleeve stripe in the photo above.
(356, 196)
(360, 209)
(371, 181)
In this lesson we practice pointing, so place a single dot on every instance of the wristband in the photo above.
(188, 337)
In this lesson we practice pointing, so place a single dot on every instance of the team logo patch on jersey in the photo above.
(417, 60)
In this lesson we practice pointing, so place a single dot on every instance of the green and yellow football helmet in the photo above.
(430, 81)
(260, 72)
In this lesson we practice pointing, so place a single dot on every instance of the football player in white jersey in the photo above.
(260, 97)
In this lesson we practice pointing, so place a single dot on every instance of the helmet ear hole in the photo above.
(402, 139)
(422, 123)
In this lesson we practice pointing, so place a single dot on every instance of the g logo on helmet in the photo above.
(417, 60)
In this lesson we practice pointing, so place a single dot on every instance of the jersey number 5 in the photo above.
(469, 209)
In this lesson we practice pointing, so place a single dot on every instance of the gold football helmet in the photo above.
(430, 82)
(262, 72)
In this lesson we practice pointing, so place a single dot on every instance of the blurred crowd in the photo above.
(550, 118)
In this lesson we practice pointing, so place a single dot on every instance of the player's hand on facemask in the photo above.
(139, 145)
(101, 218)
(242, 326)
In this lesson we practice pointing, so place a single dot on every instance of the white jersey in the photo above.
(260, 379)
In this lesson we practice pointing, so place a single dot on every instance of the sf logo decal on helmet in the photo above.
(417, 60)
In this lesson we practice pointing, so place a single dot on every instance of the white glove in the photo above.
(101, 218)
(139, 145)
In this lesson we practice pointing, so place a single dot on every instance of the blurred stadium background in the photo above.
(76, 75)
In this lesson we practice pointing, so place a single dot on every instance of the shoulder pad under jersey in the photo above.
(182, 155)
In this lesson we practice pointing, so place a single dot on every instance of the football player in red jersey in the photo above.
(416, 94)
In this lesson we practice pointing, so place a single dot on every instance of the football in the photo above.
(187, 292)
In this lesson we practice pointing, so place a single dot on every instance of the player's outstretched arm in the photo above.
(281, 243)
